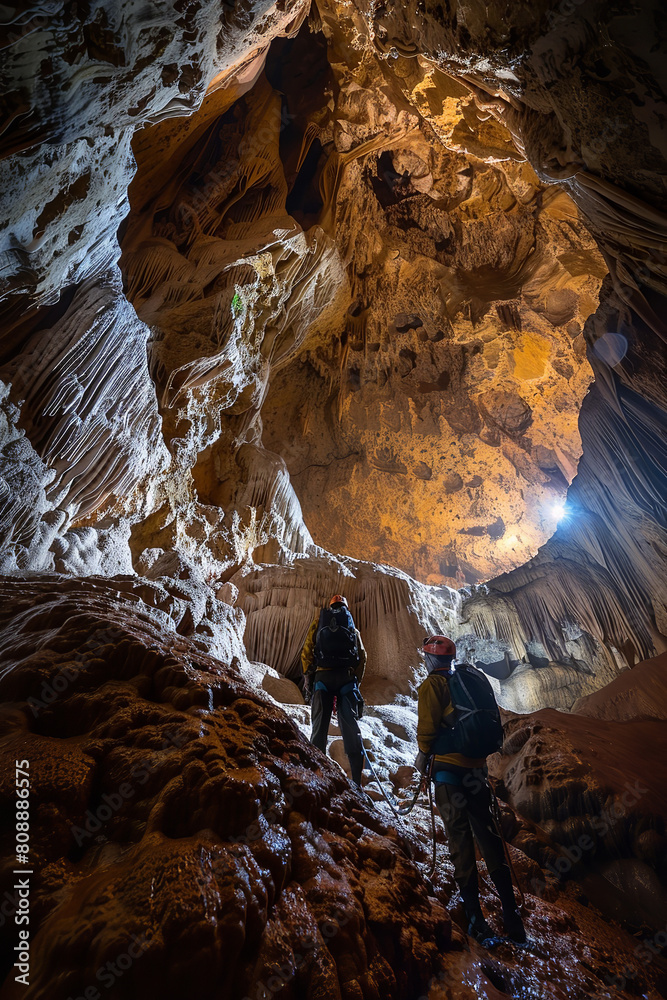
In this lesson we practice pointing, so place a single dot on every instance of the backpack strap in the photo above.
(465, 711)
(468, 695)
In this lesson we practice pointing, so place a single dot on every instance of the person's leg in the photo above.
(320, 713)
(451, 802)
(491, 845)
(451, 806)
(502, 879)
(349, 729)
(479, 808)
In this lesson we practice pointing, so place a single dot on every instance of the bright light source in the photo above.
(559, 511)
(510, 541)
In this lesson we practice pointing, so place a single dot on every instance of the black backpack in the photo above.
(336, 640)
(477, 730)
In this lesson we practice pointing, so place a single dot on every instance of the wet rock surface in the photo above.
(187, 840)
(177, 814)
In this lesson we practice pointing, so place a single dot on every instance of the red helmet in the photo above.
(439, 645)
(338, 599)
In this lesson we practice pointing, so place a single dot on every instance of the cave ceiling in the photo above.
(331, 283)
(422, 363)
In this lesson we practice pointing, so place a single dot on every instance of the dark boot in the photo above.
(477, 925)
(356, 766)
(514, 928)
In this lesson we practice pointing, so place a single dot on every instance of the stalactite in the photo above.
(388, 608)
(87, 404)
(332, 174)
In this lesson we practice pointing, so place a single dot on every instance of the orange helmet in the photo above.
(338, 599)
(439, 645)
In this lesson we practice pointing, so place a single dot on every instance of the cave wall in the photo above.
(436, 429)
(81, 421)
(165, 543)
(581, 102)
(150, 423)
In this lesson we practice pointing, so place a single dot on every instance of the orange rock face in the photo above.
(434, 429)
(399, 322)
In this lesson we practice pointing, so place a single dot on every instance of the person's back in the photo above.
(333, 662)
(336, 639)
(462, 793)
(435, 708)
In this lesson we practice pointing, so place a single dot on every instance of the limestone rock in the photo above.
(183, 785)
(636, 694)
(270, 285)
(608, 153)
(283, 690)
(595, 771)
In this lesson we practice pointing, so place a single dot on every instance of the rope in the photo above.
(431, 871)
(400, 811)
(389, 799)
(405, 810)
(499, 827)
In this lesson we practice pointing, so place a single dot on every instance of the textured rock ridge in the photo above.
(358, 310)
(185, 835)
(81, 413)
(175, 806)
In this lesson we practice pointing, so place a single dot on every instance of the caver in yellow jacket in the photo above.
(308, 662)
(435, 708)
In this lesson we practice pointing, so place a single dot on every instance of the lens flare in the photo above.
(611, 348)
(559, 511)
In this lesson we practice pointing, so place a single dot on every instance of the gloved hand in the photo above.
(308, 689)
(421, 762)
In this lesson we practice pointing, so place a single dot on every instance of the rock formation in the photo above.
(412, 378)
(208, 806)
(300, 299)
(187, 840)
(609, 559)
